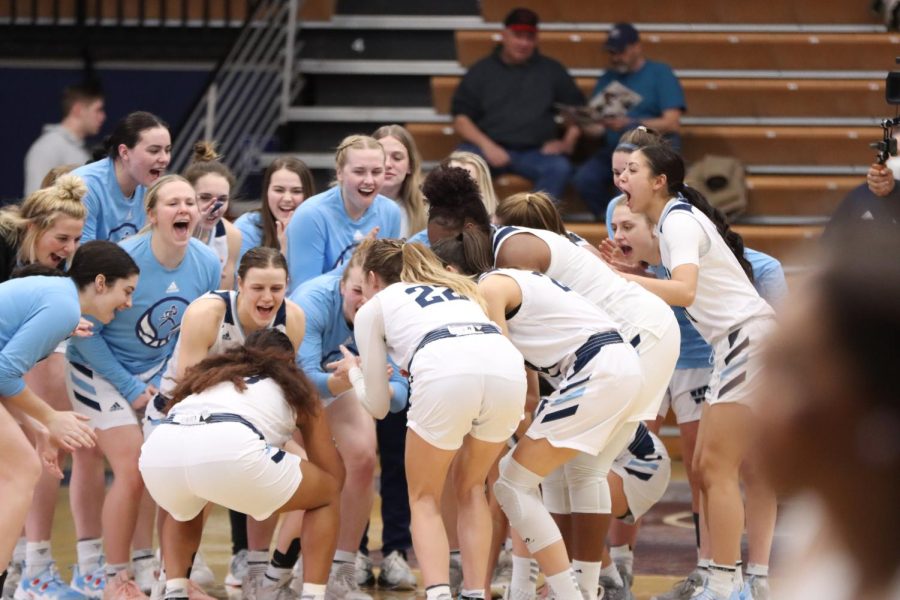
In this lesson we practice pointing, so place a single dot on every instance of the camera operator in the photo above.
(876, 200)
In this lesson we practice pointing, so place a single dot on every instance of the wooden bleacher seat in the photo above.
(746, 97)
(695, 11)
(753, 145)
(702, 50)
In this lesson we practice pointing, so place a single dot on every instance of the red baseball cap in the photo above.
(522, 19)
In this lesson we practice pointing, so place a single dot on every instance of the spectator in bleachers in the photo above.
(61, 143)
(504, 108)
(660, 108)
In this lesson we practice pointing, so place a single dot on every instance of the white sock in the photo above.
(738, 575)
(587, 574)
(754, 569)
(89, 553)
(19, 551)
(277, 575)
(564, 584)
(114, 569)
(479, 594)
(721, 579)
(703, 564)
(177, 588)
(313, 591)
(524, 575)
(344, 556)
(257, 561)
(612, 572)
(37, 557)
(434, 592)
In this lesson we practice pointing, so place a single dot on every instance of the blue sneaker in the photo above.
(89, 585)
(46, 585)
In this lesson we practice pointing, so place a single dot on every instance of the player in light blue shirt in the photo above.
(138, 152)
(36, 313)
(326, 228)
(287, 182)
(116, 372)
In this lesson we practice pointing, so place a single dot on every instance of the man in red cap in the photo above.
(504, 108)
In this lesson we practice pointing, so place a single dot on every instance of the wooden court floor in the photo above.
(664, 554)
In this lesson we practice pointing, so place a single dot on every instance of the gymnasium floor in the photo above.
(664, 554)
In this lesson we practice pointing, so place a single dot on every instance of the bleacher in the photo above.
(794, 90)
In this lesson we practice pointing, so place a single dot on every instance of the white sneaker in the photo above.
(297, 576)
(201, 574)
(364, 575)
(395, 573)
(237, 569)
(342, 584)
(146, 572)
(502, 575)
(13, 575)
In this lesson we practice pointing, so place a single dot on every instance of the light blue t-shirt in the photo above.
(36, 314)
(141, 338)
(768, 276)
(326, 330)
(110, 215)
(658, 87)
(421, 237)
(250, 226)
(321, 236)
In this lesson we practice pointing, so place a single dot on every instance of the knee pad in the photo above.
(556, 492)
(588, 487)
(518, 495)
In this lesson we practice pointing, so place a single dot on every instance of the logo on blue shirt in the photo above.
(160, 323)
(122, 232)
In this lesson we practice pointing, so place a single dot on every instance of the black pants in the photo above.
(391, 434)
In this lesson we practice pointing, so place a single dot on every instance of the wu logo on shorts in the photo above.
(699, 394)
(160, 323)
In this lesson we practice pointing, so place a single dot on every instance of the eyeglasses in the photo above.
(210, 197)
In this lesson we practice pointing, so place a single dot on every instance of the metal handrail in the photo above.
(248, 95)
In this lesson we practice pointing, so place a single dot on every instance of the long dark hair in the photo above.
(265, 353)
(128, 131)
(266, 218)
(662, 160)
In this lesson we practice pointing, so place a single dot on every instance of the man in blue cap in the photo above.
(660, 108)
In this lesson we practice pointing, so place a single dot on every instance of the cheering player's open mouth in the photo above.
(265, 312)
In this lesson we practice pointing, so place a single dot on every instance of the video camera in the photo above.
(887, 146)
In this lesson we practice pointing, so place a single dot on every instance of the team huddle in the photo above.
(241, 365)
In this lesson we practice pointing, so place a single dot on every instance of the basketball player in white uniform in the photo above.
(711, 278)
(227, 440)
(221, 320)
(467, 396)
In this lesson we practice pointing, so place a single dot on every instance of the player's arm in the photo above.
(199, 329)
(370, 379)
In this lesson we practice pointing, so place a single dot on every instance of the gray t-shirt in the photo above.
(56, 146)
